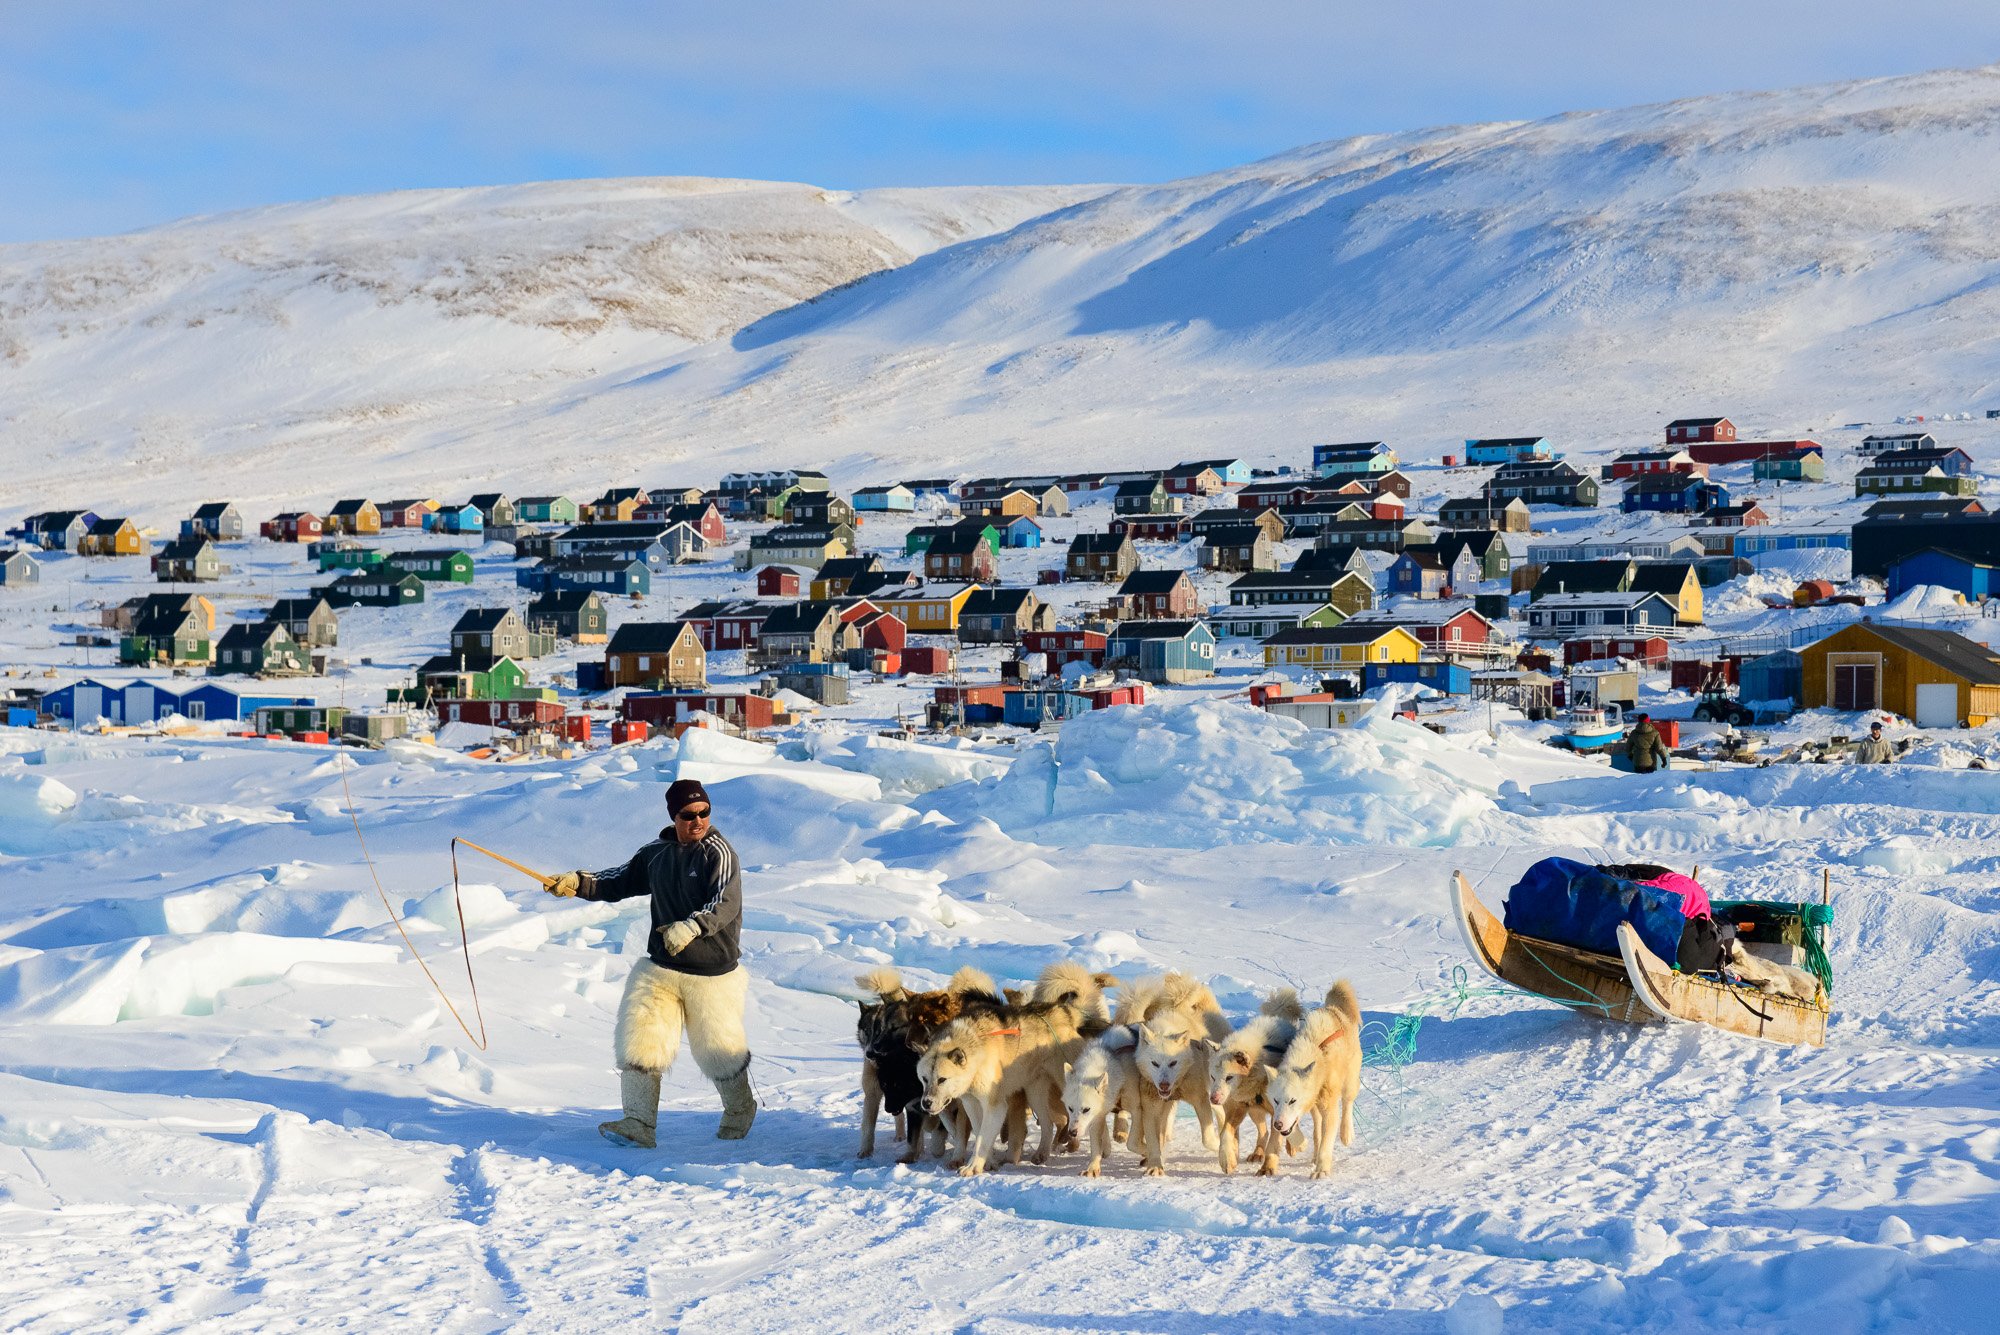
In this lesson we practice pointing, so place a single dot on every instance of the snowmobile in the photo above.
(1637, 986)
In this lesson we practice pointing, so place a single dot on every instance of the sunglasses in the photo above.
(693, 815)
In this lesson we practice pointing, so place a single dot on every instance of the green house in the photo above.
(438, 565)
(387, 587)
(919, 539)
(446, 678)
(164, 633)
(545, 510)
(1797, 465)
(293, 719)
(260, 648)
(349, 556)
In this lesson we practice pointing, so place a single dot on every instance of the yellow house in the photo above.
(111, 537)
(1341, 646)
(1674, 581)
(927, 608)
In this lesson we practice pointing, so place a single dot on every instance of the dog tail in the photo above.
(975, 982)
(1283, 1004)
(1107, 981)
(1067, 983)
(884, 982)
(1183, 993)
(1340, 1000)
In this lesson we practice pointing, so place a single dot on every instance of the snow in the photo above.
(260, 1110)
(230, 1100)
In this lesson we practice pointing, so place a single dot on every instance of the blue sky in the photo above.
(120, 115)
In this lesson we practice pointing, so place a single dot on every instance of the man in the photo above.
(692, 977)
(1874, 748)
(1646, 749)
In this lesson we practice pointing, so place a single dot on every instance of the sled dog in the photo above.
(1320, 1074)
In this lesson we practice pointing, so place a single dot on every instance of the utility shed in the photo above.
(1935, 678)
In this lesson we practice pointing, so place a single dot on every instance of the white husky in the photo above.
(1103, 1077)
(1237, 1084)
(1170, 1014)
(1320, 1074)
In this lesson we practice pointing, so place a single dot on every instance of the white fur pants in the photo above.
(660, 1003)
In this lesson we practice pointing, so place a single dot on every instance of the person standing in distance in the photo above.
(692, 978)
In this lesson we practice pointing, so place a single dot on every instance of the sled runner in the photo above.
(1636, 986)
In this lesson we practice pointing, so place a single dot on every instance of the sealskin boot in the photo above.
(739, 1105)
(640, 1093)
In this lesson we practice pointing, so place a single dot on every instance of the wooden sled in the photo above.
(1634, 986)
(1595, 984)
(1740, 1010)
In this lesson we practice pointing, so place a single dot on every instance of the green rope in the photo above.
(1813, 919)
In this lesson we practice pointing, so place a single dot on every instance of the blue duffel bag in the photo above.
(1580, 905)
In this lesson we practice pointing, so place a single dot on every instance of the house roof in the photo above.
(801, 618)
(542, 500)
(1508, 441)
(1479, 504)
(1421, 559)
(1345, 633)
(1234, 535)
(1940, 506)
(1362, 447)
(105, 528)
(183, 549)
(1325, 577)
(1585, 576)
(1098, 543)
(212, 510)
(1610, 598)
(1644, 456)
(882, 490)
(847, 567)
(878, 581)
(1664, 482)
(640, 637)
(349, 507)
(1153, 581)
(617, 530)
(999, 602)
(481, 619)
(256, 633)
(1418, 612)
(1668, 577)
(1144, 486)
(593, 563)
(1923, 454)
(956, 542)
(1697, 421)
(296, 609)
(562, 600)
(728, 607)
(796, 535)
(1949, 650)
(617, 495)
(1155, 630)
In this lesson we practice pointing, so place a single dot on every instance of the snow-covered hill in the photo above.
(1797, 259)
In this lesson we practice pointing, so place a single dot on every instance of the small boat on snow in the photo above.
(1636, 986)
(1593, 727)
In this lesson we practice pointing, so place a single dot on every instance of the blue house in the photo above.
(593, 574)
(1033, 707)
(1162, 651)
(1233, 472)
(17, 567)
(1451, 678)
(134, 702)
(1364, 456)
(1773, 677)
(1755, 541)
(1021, 531)
(1418, 575)
(1674, 493)
(1507, 449)
(458, 519)
(896, 498)
(1948, 570)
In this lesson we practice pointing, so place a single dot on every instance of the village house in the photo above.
(785, 582)
(1542, 482)
(618, 505)
(1972, 580)
(408, 512)
(1046, 501)
(1238, 548)
(1505, 450)
(1192, 480)
(870, 629)
(218, 521)
(960, 556)
(836, 577)
(460, 520)
(483, 635)
(1483, 512)
(1754, 542)
(18, 568)
(1162, 651)
(800, 632)
(658, 543)
(353, 517)
(1002, 616)
(1797, 464)
(577, 615)
(1382, 535)
(1345, 645)
(1935, 678)
(1688, 430)
(1677, 493)
(1266, 520)
(820, 508)
(1648, 650)
(1150, 528)
(187, 561)
(1895, 441)
(1418, 573)
(1742, 514)
(438, 565)
(1490, 556)
(383, 587)
(1060, 646)
(1443, 627)
(658, 655)
(1367, 456)
(345, 554)
(919, 538)
(1565, 614)
(262, 649)
(1159, 595)
(871, 582)
(56, 530)
(1642, 463)
(112, 537)
(895, 498)
(1392, 483)
(1144, 496)
(927, 609)
(169, 628)
(728, 624)
(598, 574)
(1945, 470)
(311, 620)
(1020, 531)
(1345, 590)
(811, 546)
(496, 510)
(1925, 507)
(545, 510)
(445, 678)
(293, 526)
(740, 709)
(1100, 556)
(1260, 621)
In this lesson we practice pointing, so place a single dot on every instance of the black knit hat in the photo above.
(682, 792)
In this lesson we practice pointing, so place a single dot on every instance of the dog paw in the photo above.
(1322, 1172)
(1267, 1170)
(1155, 1172)
(971, 1170)
(1038, 1158)
(1092, 1170)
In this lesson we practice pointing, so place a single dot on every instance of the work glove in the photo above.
(678, 934)
(566, 885)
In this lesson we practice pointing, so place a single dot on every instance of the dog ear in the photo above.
(1068, 1067)
(1206, 1047)
(1240, 1060)
(1270, 1072)
(1143, 1031)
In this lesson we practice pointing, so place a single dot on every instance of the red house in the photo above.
(927, 660)
(502, 713)
(878, 629)
(1124, 693)
(994, 695)
(1736, 451)
(1648, 649)
(678, 707)
(703, 518)
(1440, 626)
(1065, 644)
(404, 514)
(1151, 528)
(732, 624)
(1647, 462)
(1688, 430)
(1160, 595)
(1271, 495)
(1384, 505)
(777, 582)
(294, 526)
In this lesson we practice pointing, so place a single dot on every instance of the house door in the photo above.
(1856, 685)
(1937, 705)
